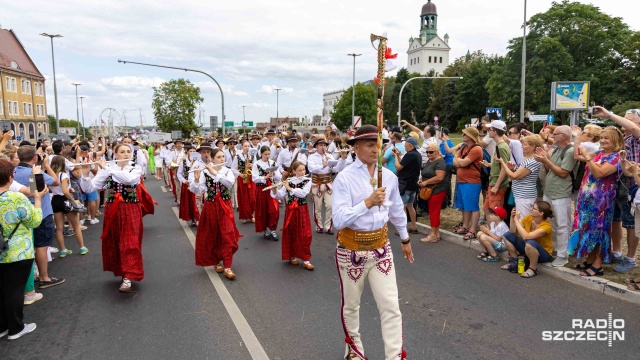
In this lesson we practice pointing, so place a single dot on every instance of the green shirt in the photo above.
(494, 173)
(556, 187)
(14, 208)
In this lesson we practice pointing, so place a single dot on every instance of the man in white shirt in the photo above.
(175, 155)
(289, 155)
(318, 165)
(362, 210)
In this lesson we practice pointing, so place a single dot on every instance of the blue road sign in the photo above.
(550, 119)
(498, 112)
(18, 138)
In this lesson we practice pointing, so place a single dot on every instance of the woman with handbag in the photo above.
(433, 188)
(17, 217)
(62, 202)
(122, 225)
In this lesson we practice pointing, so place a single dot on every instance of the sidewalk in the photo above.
(604, 286)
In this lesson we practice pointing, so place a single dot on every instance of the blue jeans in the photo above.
(519, 244)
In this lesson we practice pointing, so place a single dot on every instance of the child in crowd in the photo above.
(490, 237)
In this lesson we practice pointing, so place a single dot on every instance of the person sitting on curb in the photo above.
(490, 237)
(531, 237)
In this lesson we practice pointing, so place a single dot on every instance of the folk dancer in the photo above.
(242, 167)
(174, 157)
(188, 209)
(229, 154)
(296, 232)
(321, 189)
(363, 252)
(217, 235)
(267, 214)
(122, 227)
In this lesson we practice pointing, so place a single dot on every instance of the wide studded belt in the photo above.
(363, 240)
(321, 178)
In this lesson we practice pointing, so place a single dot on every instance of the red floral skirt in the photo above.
(267, 210)
(217, 235)
(246, 199)
(188, 208)
(122, 240)
(296, 233)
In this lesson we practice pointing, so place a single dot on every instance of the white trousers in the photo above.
(178, 185)
(562, 223)
(354, 268)
(321, 194)
(524, 206)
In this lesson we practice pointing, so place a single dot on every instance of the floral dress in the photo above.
(594, 210)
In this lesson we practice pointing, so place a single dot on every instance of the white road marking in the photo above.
(164, 189)
(248, 336)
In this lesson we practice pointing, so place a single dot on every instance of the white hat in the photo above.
(498, 125)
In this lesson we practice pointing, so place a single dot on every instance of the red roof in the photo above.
(12, 50)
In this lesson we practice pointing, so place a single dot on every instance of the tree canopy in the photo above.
(174, 105)
(365, 106)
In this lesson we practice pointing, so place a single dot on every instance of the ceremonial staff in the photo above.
(379, 80)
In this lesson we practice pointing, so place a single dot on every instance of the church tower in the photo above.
(428, 51)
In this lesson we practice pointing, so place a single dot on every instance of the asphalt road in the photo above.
(454, 306)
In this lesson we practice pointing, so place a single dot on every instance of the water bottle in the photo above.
(520, 265)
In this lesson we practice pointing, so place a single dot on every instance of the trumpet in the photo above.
(197, 169)
(279, 183)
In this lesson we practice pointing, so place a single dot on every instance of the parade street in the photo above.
(453, 305)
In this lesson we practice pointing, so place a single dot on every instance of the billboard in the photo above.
(570, 95)
(71, 131)
(159, 137)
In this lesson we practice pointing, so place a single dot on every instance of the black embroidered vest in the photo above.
(241, 164)
(262, 172)
(291, 198)
(214, 188)
(128, 192)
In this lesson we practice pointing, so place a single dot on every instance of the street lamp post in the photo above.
(84, 135)
(524, 61)
(185, 69)
(55, 87)
(277, 104)
(77, 108)
(243, 119)
(414, 78)
(353, 88)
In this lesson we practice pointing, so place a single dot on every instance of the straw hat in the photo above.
(471, 132)
(365, 132)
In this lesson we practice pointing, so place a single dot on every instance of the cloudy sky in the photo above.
(249, 46)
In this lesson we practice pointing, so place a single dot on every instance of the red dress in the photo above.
(245, 192)
(267, 208)
(217, 235)
(122, 231)
(296, 232)
(188, 209)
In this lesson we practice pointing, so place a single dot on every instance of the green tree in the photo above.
(66, 123)
(365, 106)
(174, 105)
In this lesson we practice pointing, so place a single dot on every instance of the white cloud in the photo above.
(135, 82)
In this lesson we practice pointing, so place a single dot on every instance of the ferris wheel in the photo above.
(109, 117)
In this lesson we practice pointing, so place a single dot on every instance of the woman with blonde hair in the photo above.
(591, 137)
(525, 175)
(594, 210)
(433, 175)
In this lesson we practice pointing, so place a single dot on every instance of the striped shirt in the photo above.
(525, 188)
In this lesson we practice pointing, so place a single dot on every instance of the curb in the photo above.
(601, 285)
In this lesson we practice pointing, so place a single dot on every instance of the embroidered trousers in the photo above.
(321, 194)
(354, 268)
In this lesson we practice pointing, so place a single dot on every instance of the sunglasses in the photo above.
(430, 152)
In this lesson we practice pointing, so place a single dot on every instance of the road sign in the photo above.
(228, 124)
(538, 117)
(475, 121)
(18, 138)
(498, 112)
(247, 123)
(356, 122)
(550, 119)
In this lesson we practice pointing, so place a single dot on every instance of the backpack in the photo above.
(578, 170)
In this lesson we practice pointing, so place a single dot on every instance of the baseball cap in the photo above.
(412, 141)
(500, 211)
(498, 124)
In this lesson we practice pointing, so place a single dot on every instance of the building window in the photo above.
(1, 108)
(21, 127)
(30, 106)
(418, 60)
(440, 59)
(27, 109)
(32, 131)
(13, 107)
(26, 86)
(14, 88)
(429, 59)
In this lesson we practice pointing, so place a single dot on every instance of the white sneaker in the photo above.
(4, 333)
(82, 222)
(94, 221)
(28, 328)
(53, 250)
(559, 261)
(87, 217)
(28, 300)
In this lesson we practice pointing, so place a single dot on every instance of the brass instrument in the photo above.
(247, 169)
(280, 183)
(199, 139)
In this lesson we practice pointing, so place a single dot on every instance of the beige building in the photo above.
(23, 104)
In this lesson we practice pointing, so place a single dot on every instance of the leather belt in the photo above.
(362, 240)
(321, 178)
(259, 184)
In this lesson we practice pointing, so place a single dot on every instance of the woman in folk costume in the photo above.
(264, 172)
(242, 168)
(296, 232)
(188, 208)
(217, 235)
(122, 230)
(229, 155)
